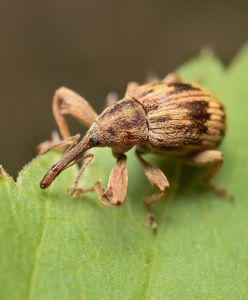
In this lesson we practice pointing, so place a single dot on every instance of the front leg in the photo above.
(67, 102)
(115, 193)
(158, 179)
(75, 190)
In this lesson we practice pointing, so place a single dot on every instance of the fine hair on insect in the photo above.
(168, 117)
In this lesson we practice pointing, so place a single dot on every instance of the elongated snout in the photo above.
(66, 159)
(52, 173)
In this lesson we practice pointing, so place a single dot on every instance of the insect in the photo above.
(169, 117)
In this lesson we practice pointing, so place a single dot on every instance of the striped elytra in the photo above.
(181, 118)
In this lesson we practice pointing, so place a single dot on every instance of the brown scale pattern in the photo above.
(182, 118)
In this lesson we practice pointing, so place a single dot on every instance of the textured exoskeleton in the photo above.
(169, 117)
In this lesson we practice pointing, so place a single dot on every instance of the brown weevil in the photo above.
(168, 117)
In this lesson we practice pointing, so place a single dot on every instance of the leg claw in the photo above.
(76, 192)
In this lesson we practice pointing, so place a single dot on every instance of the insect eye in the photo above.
(94, 141)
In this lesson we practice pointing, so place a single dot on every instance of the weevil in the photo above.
(168, 117)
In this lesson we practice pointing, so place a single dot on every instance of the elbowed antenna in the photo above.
(68, 157)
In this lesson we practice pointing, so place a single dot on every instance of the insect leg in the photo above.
(214, 159)
(152, 77)
(158, 179)
(67, 102)
(115, 193)
(131, 88)
(74, 190)
(111, 99)
(172, 78)
(57, 143)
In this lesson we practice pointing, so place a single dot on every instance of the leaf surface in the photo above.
(53, 246)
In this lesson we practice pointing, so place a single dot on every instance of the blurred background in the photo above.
(95, 47)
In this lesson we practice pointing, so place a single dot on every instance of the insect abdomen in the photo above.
(186, 119)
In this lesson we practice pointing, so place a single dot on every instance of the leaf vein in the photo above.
(37, 253)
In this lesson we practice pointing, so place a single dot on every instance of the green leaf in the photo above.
(53, 246)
